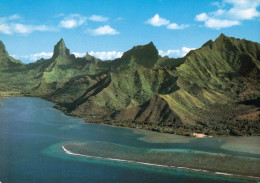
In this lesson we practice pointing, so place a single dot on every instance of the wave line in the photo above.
(152, 164)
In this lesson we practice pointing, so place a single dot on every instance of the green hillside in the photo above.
(214, 89)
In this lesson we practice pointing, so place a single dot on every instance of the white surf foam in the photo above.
(222, 173)
(152, 164)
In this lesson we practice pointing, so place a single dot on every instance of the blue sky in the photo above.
(107, 28)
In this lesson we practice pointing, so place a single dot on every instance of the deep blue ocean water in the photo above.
(30, 126)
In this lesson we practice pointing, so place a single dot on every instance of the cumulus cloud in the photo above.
(218, 24)
(176, 53)
(169, 52)
(106, 55)
(37, 56)
(72, 21)
(103, 55)
(176, 26)
(202, 17)
(5, 29)
(103, 30)
(76, 20)
(33, 57)
(10, 25)
(77, 54)
(98, 18)
(158, 21)
(25, 29)
(239, 11)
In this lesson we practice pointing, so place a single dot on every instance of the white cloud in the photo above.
(106, 55)
(202, 17)
(33, 57)
(243, 3)
(169, 52)
(72, 21)
(26, 29)
(98, 18)
(76, 20)
(37, 56)
(103, 30)
(243, 14)
(157, 21)
(68, 24)
(176, 26)
(18, 28)
(222, 18)
(176, 53)
(103, 55)
(218, 24)
(5, 29)
(10, 25)
(77, 54)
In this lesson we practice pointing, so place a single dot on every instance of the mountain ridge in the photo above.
(213, 89)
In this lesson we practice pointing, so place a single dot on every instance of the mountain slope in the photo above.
(219, 77)
(214, 89)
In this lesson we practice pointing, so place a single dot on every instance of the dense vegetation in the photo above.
(214, 89)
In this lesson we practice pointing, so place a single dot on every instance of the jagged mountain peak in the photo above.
(223, 38)
(145, 47)
(145, 55)
(61, 41)
(60, 49)
(222, 35)
(150, 44)
(222, 43)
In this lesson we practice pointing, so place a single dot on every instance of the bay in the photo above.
(31, 131)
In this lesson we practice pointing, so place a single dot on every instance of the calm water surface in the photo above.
(30, 126)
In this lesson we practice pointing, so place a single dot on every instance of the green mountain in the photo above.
(214, 89)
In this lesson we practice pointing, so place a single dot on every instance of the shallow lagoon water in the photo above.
(30, 130)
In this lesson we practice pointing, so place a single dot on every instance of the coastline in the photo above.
(192, 135)
(134, 128)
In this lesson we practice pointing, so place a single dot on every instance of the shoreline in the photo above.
(191, 135)
(156, 165)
